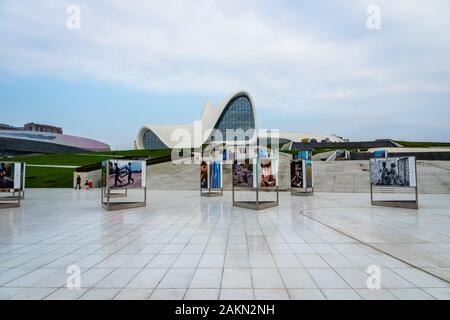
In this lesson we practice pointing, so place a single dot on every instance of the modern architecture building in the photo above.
(233, 120)
(31, 126)
(14, 142)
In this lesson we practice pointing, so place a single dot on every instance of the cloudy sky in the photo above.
(310, 66)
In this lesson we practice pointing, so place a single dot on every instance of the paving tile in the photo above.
(176, 279)
(206, 278)
(297, 278)
(271, 294)
(236, 294)
(133, 294)
(341, 294)
(266, 278)
(118, 278)
(439, 293)
(327, 278)
(99, 294)
(167, 294)
(237, 278)
(411, 294)
(306, 294)
(202, 294)
(376, 294)
(212, 261)
(33, 294)
(147, 278)
(66, 294)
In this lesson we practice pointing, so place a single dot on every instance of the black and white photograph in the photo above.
(398, 172)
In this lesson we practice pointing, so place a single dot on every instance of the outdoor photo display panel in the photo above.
(267, 173)
(301, 174)
(126, 174)
(243, 174)
(204, 175)
(216, 175)
(297, 174)
(396, 172)
(6, 175)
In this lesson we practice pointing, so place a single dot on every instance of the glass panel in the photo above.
(151, 141)
(237, 115)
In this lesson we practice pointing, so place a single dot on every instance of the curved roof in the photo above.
(210, 115)
(56, 139)
(209, 118)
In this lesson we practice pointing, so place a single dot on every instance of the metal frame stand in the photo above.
(211, 192)
(406, 204)
(11, 201)
(255, 205)
(111, 206)
(302, 191)
(116, 194)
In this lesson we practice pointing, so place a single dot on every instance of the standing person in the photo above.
(78, 185)
(130, 178)
(117, 175)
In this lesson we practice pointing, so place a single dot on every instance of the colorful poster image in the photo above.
(379, 154)
(126, 174)
(267, 173)
(308, 174)
(7, 175)
(204, 175)
(243, 174)
(216, 175)
(302, 155)
(296, 174)
(398, 172)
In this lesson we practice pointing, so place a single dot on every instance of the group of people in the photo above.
(89, 184)
(389, 176)
(126, 172)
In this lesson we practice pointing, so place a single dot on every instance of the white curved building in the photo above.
(233, 120)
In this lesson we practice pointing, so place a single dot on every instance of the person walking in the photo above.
(117, 175)
(130, 173)
(78, 184)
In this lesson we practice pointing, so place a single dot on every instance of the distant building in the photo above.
(31, 126)
(41, 138)
(8, 127)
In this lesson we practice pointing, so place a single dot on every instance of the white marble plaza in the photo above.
(183, 246)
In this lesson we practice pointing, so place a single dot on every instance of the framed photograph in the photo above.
(243, 174)
(203, 175)
(267, 173)
(126, 174)
(396, 172)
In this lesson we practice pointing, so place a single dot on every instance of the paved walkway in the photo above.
(182, 246)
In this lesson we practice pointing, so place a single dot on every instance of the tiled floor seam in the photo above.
(378, 249)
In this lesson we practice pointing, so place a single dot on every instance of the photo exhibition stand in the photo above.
(123, 184)
(108, 205)
(11, 200)
(257, 204)
(211, 192)
(406, 204)
(302, 157)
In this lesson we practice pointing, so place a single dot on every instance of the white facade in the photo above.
(195, 134)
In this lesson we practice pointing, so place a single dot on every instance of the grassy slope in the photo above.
(38, 177)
